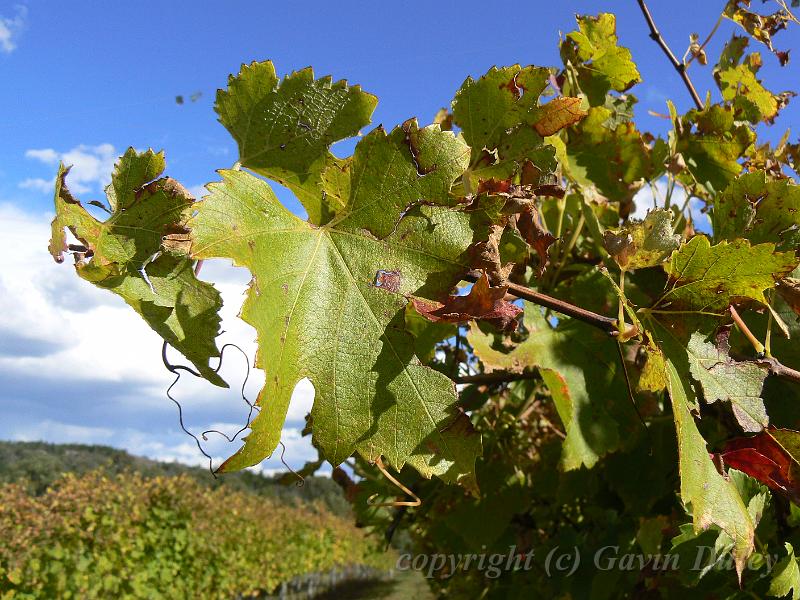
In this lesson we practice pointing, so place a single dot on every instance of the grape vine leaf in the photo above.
(711, 498)
(617, 160)
(759, 209)
(500, 118)
(739, 85)
(580, 367)
(284, 131)
(760, 27)
(601, 64)
(771, 457)
(703, 277)
(786, 576)
(711, 143)
(645, 243)
(724, 379)
(124, 254)
(328, 303)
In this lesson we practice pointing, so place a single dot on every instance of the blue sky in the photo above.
(84, 80)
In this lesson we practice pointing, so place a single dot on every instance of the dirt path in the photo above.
(404, 585)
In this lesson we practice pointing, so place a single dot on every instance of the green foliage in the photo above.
(129, 537)
(125, 254)
(573, 428)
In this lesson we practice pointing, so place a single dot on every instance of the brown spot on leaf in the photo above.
(388, 280)
(512, 86)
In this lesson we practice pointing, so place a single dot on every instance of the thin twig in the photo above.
(779, 370)
(655, 35)
(757, 345)
(594, 319)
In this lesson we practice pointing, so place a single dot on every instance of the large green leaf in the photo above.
(739, 85)
(760, 210)
(285, 131)
(581, 368)
(703, 277)
(502, 121)
(125, 255)
(703, 363)
(614, 157)
(390, 174)
(711, 499)
(711, 142)
(602, 65)
(328, 303)
(724, 379)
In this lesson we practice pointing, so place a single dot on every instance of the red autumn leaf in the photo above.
(483, 302)
(764, 458)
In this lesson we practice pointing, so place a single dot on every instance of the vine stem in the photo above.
(610, 326)
(494, 377)
(680, 67)
(607, 324)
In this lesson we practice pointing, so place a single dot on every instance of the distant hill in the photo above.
(39, 465)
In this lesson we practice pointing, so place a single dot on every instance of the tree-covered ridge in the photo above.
(38, 465)
(617, 408)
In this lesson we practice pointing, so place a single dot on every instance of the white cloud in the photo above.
(91, 165)
(63, 433)
(46, 155)
(89, 365)
(38, 184)
(11, 28)
(644, 203)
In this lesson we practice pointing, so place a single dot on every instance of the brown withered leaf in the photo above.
(494, 186)
(518, 198)
(483, 302)
(558, 114)
(532, 230)
(444, 119)
(517, 210)
(486, 256)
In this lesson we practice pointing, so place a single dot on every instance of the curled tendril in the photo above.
(395, 503)
(250, 405)
(300, 479)
(176, 370)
